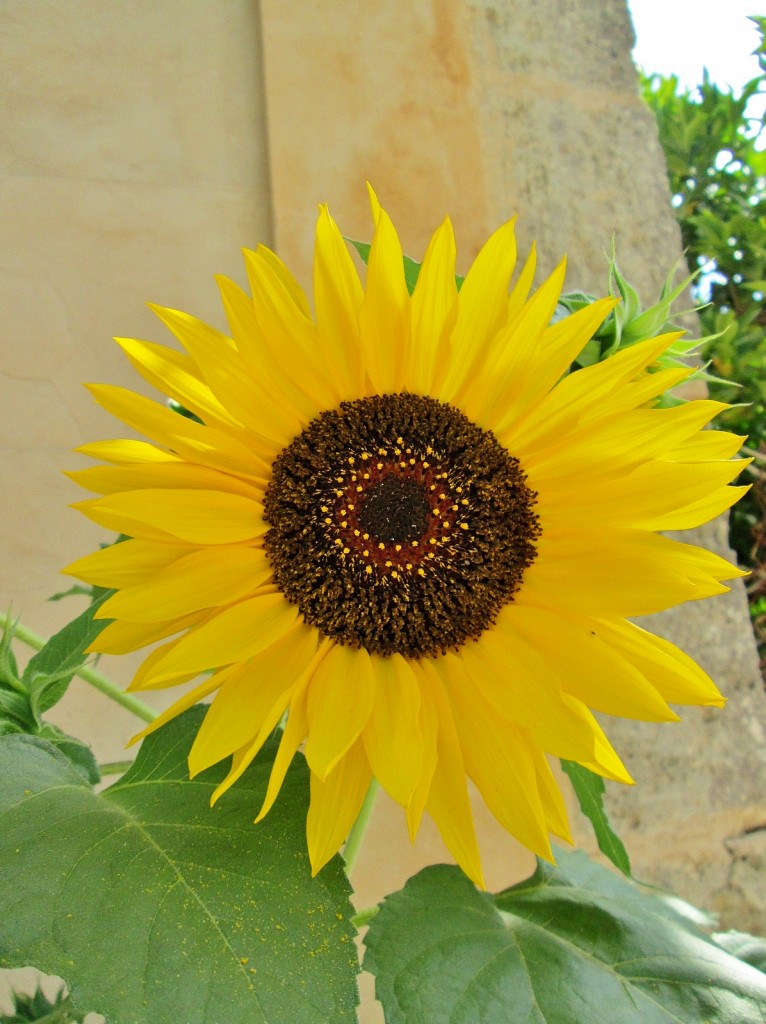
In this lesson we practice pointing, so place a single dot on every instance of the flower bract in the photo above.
(397, 522)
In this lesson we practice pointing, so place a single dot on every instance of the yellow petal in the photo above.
(193, 441)
(676, 676)
(393, 738)
(498, 760)
(518, 682)
(289, 339)
(588, 668)
(123, 637)
(621, 573)
(384, 319)
(110, 479)
(126, 563)
(188, 700)
(335, 805)
(515, 354)
(253, 698)
(448, 802)
(195, 516)
(434, 308)
(339, 702)
(231, 635)
(174, 374)
(126, 452)
(203, 579)
(482, 308)
(338, 298)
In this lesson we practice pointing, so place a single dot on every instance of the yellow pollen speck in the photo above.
(351, 460)
(344, 523)
(432, 487)
(365, 455)
(328, 521)
(382, 451)
(429, 450)
(463, 501)
(350, 505)
(403, 465)
(382, 547)
(435, 512)
(368, 568)
(365, 476)
(395, 574)
(397, 547)
(400, 440)
(365, 536)
(359, 489)
(464, 526)
(397, 451)
(380, 465)
(431, 554)
(442, 496)
(356, 533)
(421, 571)
(323, 508)
(389, 563)
(346, 551)
(409, 565)
(426, 465)
(338, 540)
(366, 552)
(432, 540)
(415, 543)
(339, 479)
(412, 462)
(454, 508)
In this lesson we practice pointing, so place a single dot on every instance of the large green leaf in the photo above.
(575, 944)
(155, 908)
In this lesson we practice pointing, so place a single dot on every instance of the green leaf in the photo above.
(77, 752)
(155, 908)
(49, 673)
(572, 945)
(750, 948)
(589, 789)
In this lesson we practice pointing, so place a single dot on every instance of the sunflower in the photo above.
(401, 523)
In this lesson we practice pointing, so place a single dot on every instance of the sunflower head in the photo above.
(398, 519)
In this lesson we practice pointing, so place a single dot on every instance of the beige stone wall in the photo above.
(148, 141)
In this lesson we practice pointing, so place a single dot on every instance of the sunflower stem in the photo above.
(85, 672)
(356, 835)
(115, 767)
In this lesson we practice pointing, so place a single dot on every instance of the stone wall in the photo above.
(149, 141)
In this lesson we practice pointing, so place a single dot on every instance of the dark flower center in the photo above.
(395, 510)
(398, 525)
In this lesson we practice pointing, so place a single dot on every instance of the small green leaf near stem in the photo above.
(86, 673)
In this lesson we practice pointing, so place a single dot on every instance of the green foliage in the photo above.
(589, 789)
(155, 908)
(571, 944)
(717, 174)
(38, 1009)
(26, 696)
